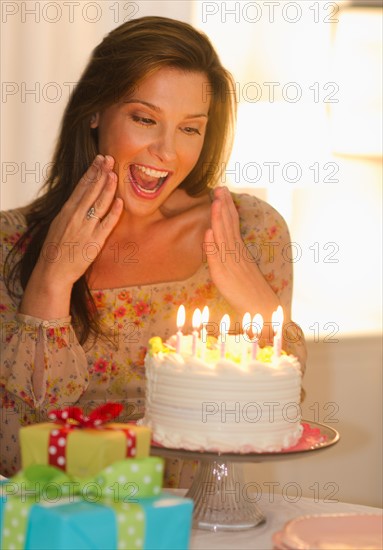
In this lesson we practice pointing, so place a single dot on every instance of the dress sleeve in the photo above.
(42, 362)
(268, 243)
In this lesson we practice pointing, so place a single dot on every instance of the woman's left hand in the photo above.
(233, 269)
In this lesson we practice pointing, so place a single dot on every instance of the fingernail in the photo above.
(94, 169)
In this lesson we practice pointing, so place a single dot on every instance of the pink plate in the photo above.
(333, 532)
(277, 542)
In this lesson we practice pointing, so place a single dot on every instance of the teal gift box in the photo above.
(43, 508)
(162, 523)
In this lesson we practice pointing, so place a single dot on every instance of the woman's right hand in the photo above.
(73, 241)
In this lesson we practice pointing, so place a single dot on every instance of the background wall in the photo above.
(309, 141)
(44, 48)
(343, 385)
(309, 79)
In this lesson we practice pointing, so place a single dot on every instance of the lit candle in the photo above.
(196, 322)
(205, 320)
(223, 330)
(180, 323)
(277, 320)
(246, 322)
(257, 325)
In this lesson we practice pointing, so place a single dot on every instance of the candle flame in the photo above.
(277, 319)
(205, 315)
(246, 322)
(196, 321)
(224, 324)
(257, 324)
(181, 315)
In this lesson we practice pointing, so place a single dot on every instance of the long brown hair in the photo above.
(128, 54)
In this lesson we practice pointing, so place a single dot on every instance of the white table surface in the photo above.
(278, 510)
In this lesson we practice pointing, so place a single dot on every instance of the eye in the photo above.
(189, 130)
(144, 121)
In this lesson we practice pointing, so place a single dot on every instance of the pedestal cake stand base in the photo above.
(222, 499)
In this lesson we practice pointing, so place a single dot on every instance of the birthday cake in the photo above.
(197, 400)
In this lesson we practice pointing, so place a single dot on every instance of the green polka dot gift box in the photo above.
(44, 509)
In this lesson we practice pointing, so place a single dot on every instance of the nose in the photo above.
(164, 146)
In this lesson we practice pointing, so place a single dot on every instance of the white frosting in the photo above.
(224, 405)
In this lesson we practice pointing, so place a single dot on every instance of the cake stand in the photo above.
(222, 499)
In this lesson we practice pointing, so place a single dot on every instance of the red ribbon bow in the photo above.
(74, 416)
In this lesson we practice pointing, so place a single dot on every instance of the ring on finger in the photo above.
(92, 214)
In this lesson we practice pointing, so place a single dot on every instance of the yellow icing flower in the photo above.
(211, 342)
(235, 357)
(212, 355)
(266, 354)
(155, 345)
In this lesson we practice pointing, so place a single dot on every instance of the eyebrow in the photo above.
(158, 110)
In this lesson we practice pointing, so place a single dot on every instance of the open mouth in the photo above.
(147, 182)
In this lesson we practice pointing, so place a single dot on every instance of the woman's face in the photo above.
(155, 136)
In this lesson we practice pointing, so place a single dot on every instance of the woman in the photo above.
(128, 228)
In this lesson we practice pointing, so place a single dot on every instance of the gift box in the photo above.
(155, 523)
(83, 445)
(121, 481)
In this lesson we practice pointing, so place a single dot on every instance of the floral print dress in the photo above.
(112, 368)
